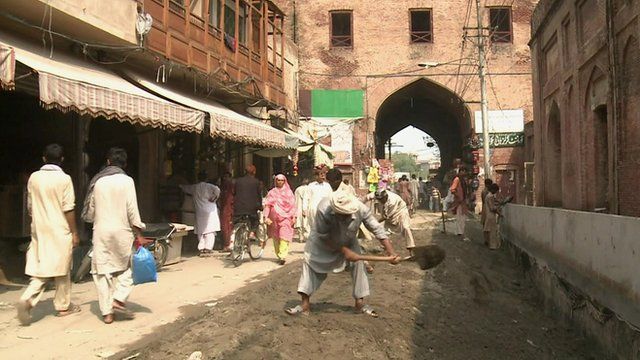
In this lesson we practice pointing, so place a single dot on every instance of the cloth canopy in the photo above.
(68, 83)
(225, 122)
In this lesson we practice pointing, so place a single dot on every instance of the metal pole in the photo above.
(483, 94)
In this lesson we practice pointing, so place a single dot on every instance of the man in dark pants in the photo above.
(247, 197)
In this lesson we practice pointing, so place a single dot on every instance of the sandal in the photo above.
(369, 267)
(24, 312)
(296, 310)
(368, 310)
(122, 311)
(72, 309)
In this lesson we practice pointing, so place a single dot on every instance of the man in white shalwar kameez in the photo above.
(302, 222)
(395, 215)
(414, 185)
(51, 203)
(333, 242)
(113, 209)
(204, 197)
(316, 192)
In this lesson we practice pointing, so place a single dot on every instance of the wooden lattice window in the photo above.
(341, 29)
(500, 23)
(421, 25)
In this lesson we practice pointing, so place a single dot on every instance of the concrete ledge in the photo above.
(587, 267)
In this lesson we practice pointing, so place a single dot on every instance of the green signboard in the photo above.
(505, 140)
(337, 103)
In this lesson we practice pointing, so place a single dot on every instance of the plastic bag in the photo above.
(447, 201)
(143, 267)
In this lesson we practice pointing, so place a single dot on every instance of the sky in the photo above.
(412, 141)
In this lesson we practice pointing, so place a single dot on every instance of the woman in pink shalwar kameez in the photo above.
(280, 216)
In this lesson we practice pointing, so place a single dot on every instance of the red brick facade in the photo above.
(383, 62)
(587, 105)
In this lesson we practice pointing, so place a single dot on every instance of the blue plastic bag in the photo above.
(144, 267)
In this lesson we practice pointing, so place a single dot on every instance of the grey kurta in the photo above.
(113, 207)
(331, 232)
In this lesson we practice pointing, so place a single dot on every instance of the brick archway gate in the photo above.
(430, 107)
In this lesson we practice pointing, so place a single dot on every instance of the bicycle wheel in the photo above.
(256, 244)
(239, 237)
(160, 253)
(83, 269)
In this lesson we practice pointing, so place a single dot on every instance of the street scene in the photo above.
(279, 179)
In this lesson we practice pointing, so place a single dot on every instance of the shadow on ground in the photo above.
(475, 305)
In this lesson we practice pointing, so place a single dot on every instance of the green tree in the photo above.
(403, 162)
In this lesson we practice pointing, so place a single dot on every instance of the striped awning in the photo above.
(225, 123)
(70, 84)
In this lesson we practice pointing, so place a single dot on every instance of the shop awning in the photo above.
(67, 83)
(225, 122)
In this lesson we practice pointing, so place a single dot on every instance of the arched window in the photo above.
(553, 159)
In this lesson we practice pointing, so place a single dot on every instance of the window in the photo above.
(196, 8)
(230, 18)
(214, 13)
(500, 22)
(341, 29)
(242, 23)
(421, 26)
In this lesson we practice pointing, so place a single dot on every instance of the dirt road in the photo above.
(475, 305)
(84, 336)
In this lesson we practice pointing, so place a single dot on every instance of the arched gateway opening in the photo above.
(431, 108)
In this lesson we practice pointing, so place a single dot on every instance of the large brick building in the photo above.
(359, 60)
(587, 105)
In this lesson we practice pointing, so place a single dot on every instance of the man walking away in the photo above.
(415, 193)
(247, 196)
(395, 215)
(435, 199)
(51, 203)
(459, 205)
(204, 197)
(112, 207)
(302, 223)
(483, 194)
(333, 242)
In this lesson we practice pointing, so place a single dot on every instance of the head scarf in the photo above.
(343, 201)
(282, 199)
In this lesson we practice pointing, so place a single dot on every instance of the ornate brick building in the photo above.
(359, 60)
(587, 104)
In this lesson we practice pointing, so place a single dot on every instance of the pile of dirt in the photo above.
(475, 305)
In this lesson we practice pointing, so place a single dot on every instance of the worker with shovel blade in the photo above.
(332, 242)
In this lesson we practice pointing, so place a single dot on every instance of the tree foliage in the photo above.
(403, 162)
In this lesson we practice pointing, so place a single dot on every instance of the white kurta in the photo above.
(316, 192)
(114, 209)
(301, 198)
(204, 196)
(50, 195)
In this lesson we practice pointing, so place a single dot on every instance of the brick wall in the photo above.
(381, 45)
(600, 138)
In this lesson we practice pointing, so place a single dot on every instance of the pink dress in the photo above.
(280, 207)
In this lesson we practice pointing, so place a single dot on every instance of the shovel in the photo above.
(426, 257)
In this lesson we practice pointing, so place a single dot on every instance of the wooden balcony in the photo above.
(194, 33)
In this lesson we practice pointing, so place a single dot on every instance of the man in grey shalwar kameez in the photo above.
(333, 242)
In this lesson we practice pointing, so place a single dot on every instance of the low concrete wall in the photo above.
(594, 255)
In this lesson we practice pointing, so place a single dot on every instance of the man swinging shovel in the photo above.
(333, 242)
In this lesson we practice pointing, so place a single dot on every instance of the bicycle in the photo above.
(244, 243)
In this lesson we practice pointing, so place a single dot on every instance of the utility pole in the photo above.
(482, 72)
